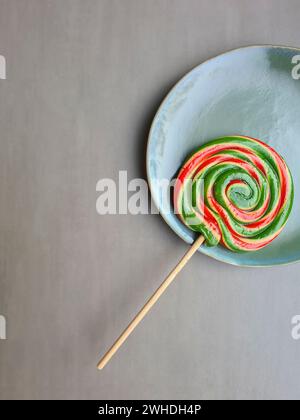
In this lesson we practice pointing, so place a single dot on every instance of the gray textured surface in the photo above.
(84, 80)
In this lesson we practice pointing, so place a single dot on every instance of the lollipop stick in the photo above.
(154, 298)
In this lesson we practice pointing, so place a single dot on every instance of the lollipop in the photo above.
(246, 195)
(234, 190)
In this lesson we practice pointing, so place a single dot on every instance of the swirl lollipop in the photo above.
(236, 191)
(246, 195)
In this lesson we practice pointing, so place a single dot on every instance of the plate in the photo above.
(252, 91)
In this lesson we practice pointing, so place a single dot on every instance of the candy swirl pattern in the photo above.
(237, 191)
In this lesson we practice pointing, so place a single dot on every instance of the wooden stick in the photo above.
(154, 298)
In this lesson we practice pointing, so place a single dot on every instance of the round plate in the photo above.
(251, 91)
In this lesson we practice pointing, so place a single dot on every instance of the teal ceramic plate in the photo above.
(252, 91)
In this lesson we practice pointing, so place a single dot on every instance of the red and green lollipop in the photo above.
(246, 195)
(234, 190)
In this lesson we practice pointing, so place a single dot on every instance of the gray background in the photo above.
(84, 81)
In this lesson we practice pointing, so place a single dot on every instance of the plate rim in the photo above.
(153, 123)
